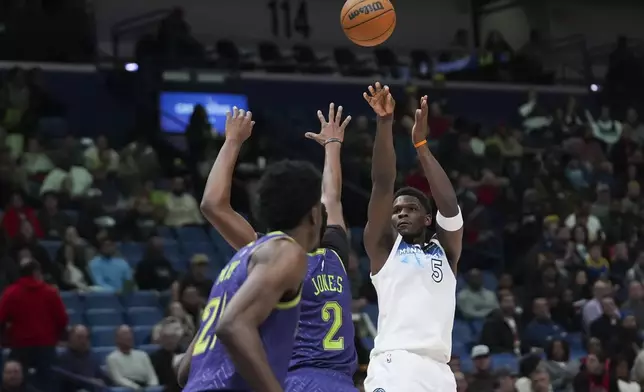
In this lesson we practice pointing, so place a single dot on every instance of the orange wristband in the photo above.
(420, 143)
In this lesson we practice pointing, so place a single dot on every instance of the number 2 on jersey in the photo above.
(207, 338)
(332, 311)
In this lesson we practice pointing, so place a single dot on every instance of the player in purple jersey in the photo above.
(248, 327)
(324, 355)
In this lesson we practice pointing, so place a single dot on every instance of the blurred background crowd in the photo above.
(106, 259)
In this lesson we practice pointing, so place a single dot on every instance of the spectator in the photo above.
(26, 245)
(182, 207)
(78, 360)
(628, 341)
(155, 272)
(607, 325)
(594, 375)
(635, 302)
(592, 310)
(542, 328)
(461, 382)
(482, 378)
(503, 328)
(623, 375)
(73, 257)
(34, 161)
(99, 155)
(35, 319)
(140, 221)
(178, 317)
(637, 271)
(193, 303)
(606, 130)
(163, 359)
(127, 366)
(475, 301)
(68, 180)
(54, 222)
(560, 368)
(197, 276)
(587, 220)
(540, 381)
(505, 381)
(15, 213)
(527, 366)
(13, 379)
(109, 271)
(596, 263)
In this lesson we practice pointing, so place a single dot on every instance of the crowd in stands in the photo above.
(105, 256)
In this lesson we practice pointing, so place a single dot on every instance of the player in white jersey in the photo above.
(412, 270)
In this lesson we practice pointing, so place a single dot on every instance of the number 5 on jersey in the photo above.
(332, 311)
(207, 338)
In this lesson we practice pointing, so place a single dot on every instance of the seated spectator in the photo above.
(583, 217)
(109, 271)
(461, 382)
(138, 162)
(592, 309)
(596, 263)
(594, 375)
(542, 329)
(13, 378)
(34, 161)
(540, 381)
(193, 303)
(503, 328)
(155, 272)
(527, 366)
(67, 180)
(79, 360)
(197, 276)
(627, 342)
(560, 368)
(54, 221)
(106, 190)
(25, 245)
(176, 315)
(182, 207)
(607, 325)
(606, 130)
(475, 301)
(15, 213)
(482, 379)
(140, 221)
(127, 366)
(635, 302)
(73, 257)
(35, 319)
(163, 359)
(99, 155)
(637, 271)
(623, 375)
(505, 381)
(93, 217)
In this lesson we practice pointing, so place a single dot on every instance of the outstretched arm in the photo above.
(449, 221)
(378, 235)
(215, 204)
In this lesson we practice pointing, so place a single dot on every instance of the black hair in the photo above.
(28, 268)
(550, 350)
(413, 192)
(287, 192)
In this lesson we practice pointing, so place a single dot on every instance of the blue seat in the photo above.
(372, 311)
(476, 327)
(223, 247)
(104, 317)
(75, 317)
(142, 334)
(154, 389)
(72, 214)
(144, 316)
(462, 332)
(142, 299)
(101, 353)
(103, 336)
(192, 234)
(72, 301)
(132, 252)
(357, 234)
(51, 247)
(192, 248)
(459, 349)
(508, 361)
(167, 234)
(149, 348)
(490, 281)
(101, 300)
(575, 340)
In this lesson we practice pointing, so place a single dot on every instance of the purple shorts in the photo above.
(318, 380)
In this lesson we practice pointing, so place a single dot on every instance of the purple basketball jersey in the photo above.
(211, 368)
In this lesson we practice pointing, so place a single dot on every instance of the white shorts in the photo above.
(403, 371)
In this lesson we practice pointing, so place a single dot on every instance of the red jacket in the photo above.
(33, 313)
(13, 217)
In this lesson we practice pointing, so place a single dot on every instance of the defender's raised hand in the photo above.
(239, 124)
(380, 100)
(331, 128)
(420, 130)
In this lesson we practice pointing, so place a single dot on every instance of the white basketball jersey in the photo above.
(416, 300)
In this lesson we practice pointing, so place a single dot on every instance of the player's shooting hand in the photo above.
(420, 130)
(239, 124)
(331, 128)
(380, 100)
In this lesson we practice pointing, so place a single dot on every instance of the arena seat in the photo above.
(72, 301)
(101, 353)
(104, 317)
(141, 299)
(101, 300)
(144, 316)
(75, 317)
(132, 252)
(508, 361)
(192, 234)
(142, 334)
(149, 348)
(462, 332)
(103, 336)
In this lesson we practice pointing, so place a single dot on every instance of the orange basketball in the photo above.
(368, 22)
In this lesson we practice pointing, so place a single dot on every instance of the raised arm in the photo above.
(379, 236)
(215, 204)
(278, 271)
(331, 137)
(449, 221)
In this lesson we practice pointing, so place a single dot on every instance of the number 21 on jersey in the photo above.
(207, 338)
(332, 312)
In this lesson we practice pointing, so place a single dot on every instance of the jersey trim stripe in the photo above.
(291, 303)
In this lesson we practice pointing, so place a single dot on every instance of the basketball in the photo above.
(368, 22)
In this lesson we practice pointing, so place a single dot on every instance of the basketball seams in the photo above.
(350, 9)
(369, 20)
(387, 31)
